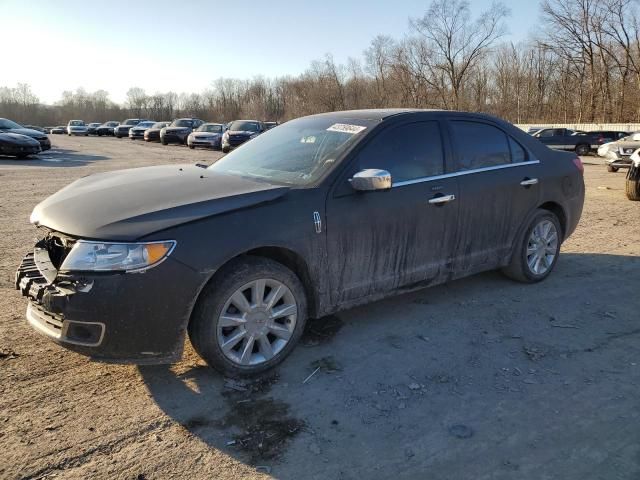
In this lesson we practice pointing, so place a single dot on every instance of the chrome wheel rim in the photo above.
(542, 247)
(257, 322)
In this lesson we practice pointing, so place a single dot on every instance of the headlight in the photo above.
(108, 257)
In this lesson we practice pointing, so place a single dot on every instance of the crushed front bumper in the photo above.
(115, 317)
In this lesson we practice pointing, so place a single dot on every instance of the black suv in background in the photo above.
(106, 128)
(240, 131)
(9, 126)
(122, 130)
(179, 130)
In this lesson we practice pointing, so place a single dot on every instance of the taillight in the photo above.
(578, 163)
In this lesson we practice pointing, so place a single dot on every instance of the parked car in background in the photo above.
(240, 131)
(140, 128)
(35, 127)
(9, 126)
(153, 134)
(18, 145)
(533, 130)
(376, 202)
(609, 135)
(48, 129)
(179, 130)
(122, 130)
(107, 128)
(91, 128)
(632, 186)
(270, 125)
(77, 127)
(566, 139)
(207, 135)
(59, 130)
(617, 154)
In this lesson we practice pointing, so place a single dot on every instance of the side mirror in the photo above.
(371, 179)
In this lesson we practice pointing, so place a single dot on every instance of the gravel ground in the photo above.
(482, 378)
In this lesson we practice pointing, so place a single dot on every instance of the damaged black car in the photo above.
(320, 214)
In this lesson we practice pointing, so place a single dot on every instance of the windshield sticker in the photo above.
(345, 128)
(309, 139)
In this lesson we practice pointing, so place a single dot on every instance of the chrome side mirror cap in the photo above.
(371, 179)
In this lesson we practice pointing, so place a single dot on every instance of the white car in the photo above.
(207, 135)
(77, 127)
(618, 154)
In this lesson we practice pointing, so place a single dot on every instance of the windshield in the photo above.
(131, 121)
(210, 127)
(145, 124)
(296, 153)
(160, 125)
(4, 123)
(182, 123)
(76, 123)
(242, 126)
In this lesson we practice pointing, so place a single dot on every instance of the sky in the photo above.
(168, 45)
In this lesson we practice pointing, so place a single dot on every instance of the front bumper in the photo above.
(116, 317)
(172, 137)
(17, 150)
(136, 134)
(205, 142)
(83, 133)
(121, 132)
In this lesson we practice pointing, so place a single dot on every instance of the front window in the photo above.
(159, 125)
(145, 124)
(211, 128)
(131, 122)
(242, 126)
(182, 123)
(76, 123)
(296, 153)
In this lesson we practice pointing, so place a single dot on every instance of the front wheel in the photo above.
(632, 186)
(249, 317)
(225, 149)
(583, 149)
(164, 142)
(537, 250)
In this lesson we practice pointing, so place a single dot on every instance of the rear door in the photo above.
(499, 183)
(384, 240)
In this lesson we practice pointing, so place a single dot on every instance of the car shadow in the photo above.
(403, 383)
(55, 157)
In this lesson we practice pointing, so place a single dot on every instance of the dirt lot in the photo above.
(482, 378)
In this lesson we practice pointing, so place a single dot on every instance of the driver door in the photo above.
(404, 237)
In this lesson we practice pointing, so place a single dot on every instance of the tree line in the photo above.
(581, 65)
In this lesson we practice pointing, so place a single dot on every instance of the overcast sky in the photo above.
(164, 45)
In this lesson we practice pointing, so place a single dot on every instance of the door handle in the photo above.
(442, 199)
(527, 182)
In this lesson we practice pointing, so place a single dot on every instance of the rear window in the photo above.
(479, 145)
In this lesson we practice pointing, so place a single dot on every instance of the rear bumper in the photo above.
(114, 317)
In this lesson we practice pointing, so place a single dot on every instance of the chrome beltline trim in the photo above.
(465, 172)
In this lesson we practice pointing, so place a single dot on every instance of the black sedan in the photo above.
(17, 145)
(153, 134)
(317, 215)
(106, 129)
(8, 126)
(122, 130)
(92, 127)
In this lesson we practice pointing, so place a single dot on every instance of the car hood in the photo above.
(126, 205)
(17, 139)
(627, 144)
(176, 129)
(242, 132)
(26, 131)
(206, 134)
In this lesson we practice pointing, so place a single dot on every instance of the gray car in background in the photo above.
(208, 135)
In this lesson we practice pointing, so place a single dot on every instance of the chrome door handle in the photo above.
(442, 199)
(527, 182)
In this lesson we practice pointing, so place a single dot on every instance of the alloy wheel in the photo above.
(257, 322)
(542, 247)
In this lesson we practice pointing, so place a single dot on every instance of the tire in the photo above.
(22, 156)
(207, 335)
(99, 134)
(583, 149)
(192, 147)
(225, 149)
(164, 142)
(611, 169)
(632, 186)
(519, 268)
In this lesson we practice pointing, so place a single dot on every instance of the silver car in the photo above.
(208, 135)
(77, 127)
(618, 154)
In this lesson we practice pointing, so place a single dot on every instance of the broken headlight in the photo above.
(108, 257)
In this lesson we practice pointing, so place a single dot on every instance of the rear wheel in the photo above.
(164, 142)
(537, 249)
(632, 186)
(249, 318)
(583, 149)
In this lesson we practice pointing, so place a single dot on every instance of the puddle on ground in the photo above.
(321, 330)
(265, 428)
